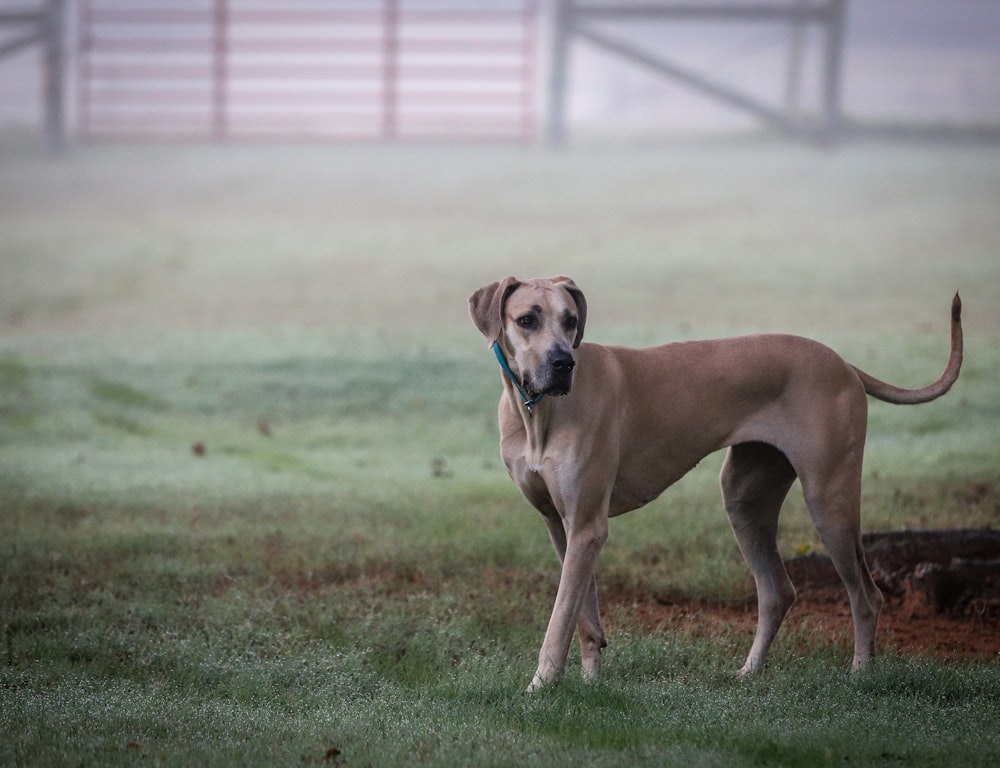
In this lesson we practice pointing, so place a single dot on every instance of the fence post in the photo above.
(793, 74)
(836, 10)
(390, 67)
(220, 52)
(83, 23)
(529, 21)
(55, 75)
(558, 65)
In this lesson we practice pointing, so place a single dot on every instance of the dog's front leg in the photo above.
(589, 628)
(583, 545)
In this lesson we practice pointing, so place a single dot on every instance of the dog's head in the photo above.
(538, 324)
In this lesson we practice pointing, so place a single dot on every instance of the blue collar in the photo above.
(529, 402)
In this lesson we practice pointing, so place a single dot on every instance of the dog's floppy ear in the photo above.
(581, 305)
(486, 307)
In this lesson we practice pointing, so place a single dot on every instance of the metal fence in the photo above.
(360, 69)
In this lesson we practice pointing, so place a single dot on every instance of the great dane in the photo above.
(588, 432)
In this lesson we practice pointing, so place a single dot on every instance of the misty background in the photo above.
(926, 62)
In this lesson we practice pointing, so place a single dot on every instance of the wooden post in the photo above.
(220, 55)
(390, 70)
(834, 31)
(558, 65)
(529, 25)
(793, 74)
(83, 21)
(55, 75)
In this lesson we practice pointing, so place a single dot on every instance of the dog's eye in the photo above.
(569, 323)
(526, 321)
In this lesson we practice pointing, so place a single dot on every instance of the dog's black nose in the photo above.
(562, 362)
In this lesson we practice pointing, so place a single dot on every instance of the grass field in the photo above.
(251, 505)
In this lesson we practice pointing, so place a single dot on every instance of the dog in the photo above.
(589, 432)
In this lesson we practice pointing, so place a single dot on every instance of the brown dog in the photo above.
(589, 432)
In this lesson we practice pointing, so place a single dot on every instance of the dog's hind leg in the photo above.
(835, 506)
(755, 480)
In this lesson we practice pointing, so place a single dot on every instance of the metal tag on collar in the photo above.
(530, 404)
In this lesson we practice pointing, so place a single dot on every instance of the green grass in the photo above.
(346, 575)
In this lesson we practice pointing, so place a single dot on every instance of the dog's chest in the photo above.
(526, 470)
(530, 480)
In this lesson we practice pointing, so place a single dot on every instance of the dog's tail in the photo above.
(890, 394)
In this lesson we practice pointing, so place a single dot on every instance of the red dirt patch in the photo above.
(941, 589)
(822, 613)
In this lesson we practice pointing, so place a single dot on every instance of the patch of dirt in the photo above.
(820, 613)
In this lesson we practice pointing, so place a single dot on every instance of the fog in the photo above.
(906, 61)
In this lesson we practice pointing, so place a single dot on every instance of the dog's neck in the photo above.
(527, 402)
(535, 421)
(534, 411)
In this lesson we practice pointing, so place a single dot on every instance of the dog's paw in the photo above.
(747, 671)
(536, 684)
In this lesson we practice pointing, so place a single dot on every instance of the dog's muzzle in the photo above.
(555, 377)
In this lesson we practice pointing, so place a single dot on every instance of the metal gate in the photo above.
(328, 69)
